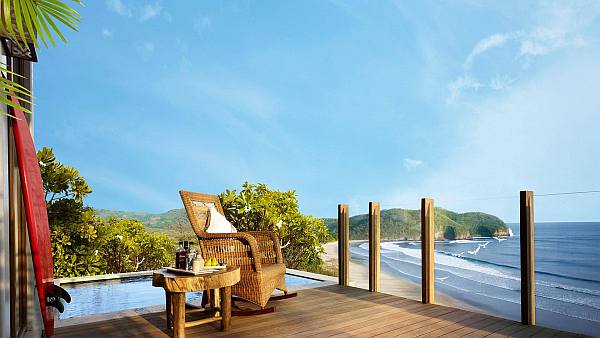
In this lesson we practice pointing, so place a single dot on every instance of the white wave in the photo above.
(466, 241)
(450, 261)
(510, 232)
(479, 247)
(558, 310)
(442, 278)
(500, 239)
(474, 252)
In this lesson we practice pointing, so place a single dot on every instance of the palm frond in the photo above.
(30, 20)
(12, 88)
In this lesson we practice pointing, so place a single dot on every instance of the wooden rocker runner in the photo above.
(257, 253)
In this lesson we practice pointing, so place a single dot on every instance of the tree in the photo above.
(258, 208)
(74, 228)
(129, 247)
(31, 21)
(82, 243)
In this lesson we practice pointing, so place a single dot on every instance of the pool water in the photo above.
(130, 293)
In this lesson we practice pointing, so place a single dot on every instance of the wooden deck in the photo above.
(331, 311)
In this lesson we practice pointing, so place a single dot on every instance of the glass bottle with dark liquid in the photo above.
(180, 255)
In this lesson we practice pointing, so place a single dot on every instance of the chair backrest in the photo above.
(196, 205)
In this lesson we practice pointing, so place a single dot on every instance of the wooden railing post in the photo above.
(374, 251)
(527, 259)
(427, 261)
(343, 244)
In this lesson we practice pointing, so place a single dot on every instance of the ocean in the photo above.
(484, 272)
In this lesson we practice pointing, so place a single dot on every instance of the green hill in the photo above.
(395, 223)
(165, 221)
(406, 224)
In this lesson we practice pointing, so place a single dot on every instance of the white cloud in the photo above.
(561, 25)
(149, 47)
(501, 82)
(201, 24)
(150, 11)
(411, 164)
(492, 41)
(538, 136)
(244, 100)
(168, 16)
(118, 7)
(106, 33)
(146, 48)
(462, 83)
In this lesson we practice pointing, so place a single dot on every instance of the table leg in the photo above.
(168, 310)
(178, 314)
(205, 298)
(225, 308)
(214, 300)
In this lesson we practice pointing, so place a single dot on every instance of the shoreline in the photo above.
(390, 283)
(395, 283)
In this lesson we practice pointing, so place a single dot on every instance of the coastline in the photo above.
(390, 283)
(395, 283)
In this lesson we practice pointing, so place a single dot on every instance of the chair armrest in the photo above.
(269, 245)
(237, 249)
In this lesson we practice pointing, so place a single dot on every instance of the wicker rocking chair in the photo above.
(257, 253)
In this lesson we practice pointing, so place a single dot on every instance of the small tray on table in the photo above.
(203, 271)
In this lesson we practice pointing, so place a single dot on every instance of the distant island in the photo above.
(406, 224)
(395, 223)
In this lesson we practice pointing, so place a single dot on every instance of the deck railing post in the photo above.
(427, 261)
(527, 258)
(343, 244)
(374, 250)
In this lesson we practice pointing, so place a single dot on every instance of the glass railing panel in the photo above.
(567, 262)
(477, 257)
(401, 251)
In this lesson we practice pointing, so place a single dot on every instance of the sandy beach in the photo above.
(390, 284)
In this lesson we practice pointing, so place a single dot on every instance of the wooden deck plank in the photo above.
(358, 322)
(476, 317)
(490, 329)
(331, 311)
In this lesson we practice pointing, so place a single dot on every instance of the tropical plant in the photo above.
(129, 247)
(83, 243)
(258, 208)
(32, 21)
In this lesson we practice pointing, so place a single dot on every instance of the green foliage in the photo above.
(406, 224)
(129, 247)
(83, 243)
(76, 245)
(258, 208)
(60, 181)
(36, 20)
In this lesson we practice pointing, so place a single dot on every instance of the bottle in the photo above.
(180, 257)
(198, 263)
(190, 256)
(186, 250)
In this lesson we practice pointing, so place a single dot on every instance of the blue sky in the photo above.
(342, 101)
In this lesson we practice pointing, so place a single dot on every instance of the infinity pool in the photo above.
(121, 294)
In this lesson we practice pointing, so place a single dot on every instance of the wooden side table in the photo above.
(176, 285)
